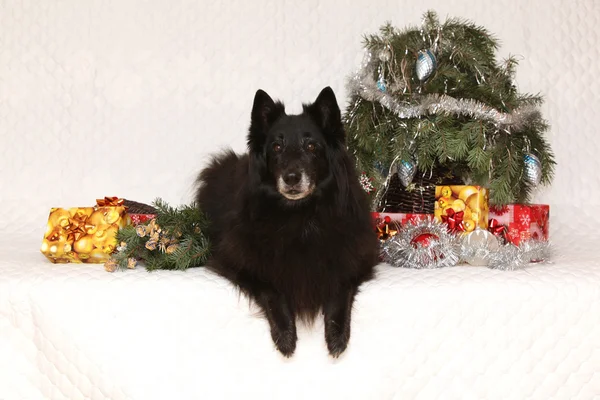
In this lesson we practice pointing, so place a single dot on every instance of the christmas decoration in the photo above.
(477, 245)
(84, 234)
(425, 64)
(462, 208)
(520, 222)
(406, 172)
(386, 228)
(497, 230)
(399, 219)
(366, 183)
(174, 239)
(533, 169)
(422, 244)
(449, 103)
(511, 257)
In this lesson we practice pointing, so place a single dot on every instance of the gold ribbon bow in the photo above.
(77, 227)
(110, 202)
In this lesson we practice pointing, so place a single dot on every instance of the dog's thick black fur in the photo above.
(290, 224)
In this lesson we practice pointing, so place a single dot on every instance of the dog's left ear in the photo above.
(326, 112)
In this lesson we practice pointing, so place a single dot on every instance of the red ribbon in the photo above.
(454, 220)
(497, 229)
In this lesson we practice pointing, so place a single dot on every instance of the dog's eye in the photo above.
(276, 147)
(311, 147)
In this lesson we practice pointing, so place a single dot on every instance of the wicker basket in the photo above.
(138, 208)
(420, 199)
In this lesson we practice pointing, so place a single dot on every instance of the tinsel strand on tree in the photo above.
(175, 239)
(435, 96)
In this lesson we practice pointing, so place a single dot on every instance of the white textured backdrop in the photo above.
(128, 97)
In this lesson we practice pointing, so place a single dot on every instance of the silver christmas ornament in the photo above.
(477, 245)
(385, 55)
(406, 172)
(426, 64)
(533, 169)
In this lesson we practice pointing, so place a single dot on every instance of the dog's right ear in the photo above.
(264, 113)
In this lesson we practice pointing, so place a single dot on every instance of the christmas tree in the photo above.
(434, 98)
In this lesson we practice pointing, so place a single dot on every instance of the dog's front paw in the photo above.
(285, 340)
(337, 338)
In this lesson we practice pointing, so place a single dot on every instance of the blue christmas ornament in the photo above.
(426, 64)
(406, 172)
(533, 169)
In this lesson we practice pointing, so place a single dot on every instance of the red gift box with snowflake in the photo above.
(136, 219)
(388, 224)
(516, 223)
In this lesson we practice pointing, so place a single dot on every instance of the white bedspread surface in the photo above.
(128, 98)
(76, 331)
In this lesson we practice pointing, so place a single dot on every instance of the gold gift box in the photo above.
(84, 234)
(463, 208)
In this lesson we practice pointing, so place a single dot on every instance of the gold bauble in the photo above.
(466, 192)
(105, 233)
(446, 191)
(111, 215)
(468, 213)
(456, 189)
(475, 202)
(445, 202)
(59, 217)
(84, 245)
(458, 205)
(469, 225)
(96, 218)
(97, 256)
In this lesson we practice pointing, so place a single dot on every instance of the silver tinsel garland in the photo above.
(441, 250)
(364, 85)
(445, 249)
(511, 257)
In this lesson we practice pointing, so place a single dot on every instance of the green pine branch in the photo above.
(174, 240)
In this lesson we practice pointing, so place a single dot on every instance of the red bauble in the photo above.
(424, 240)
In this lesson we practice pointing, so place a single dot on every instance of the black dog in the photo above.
(290, 224)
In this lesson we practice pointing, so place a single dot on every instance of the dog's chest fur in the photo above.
(296, 254)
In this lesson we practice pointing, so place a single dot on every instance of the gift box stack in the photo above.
(465, 208)
(88, 234)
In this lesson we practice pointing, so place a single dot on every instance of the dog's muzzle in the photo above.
(294, 185)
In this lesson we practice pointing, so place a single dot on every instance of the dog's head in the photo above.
(291, 154)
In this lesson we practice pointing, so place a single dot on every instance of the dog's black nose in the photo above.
(291, 178)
